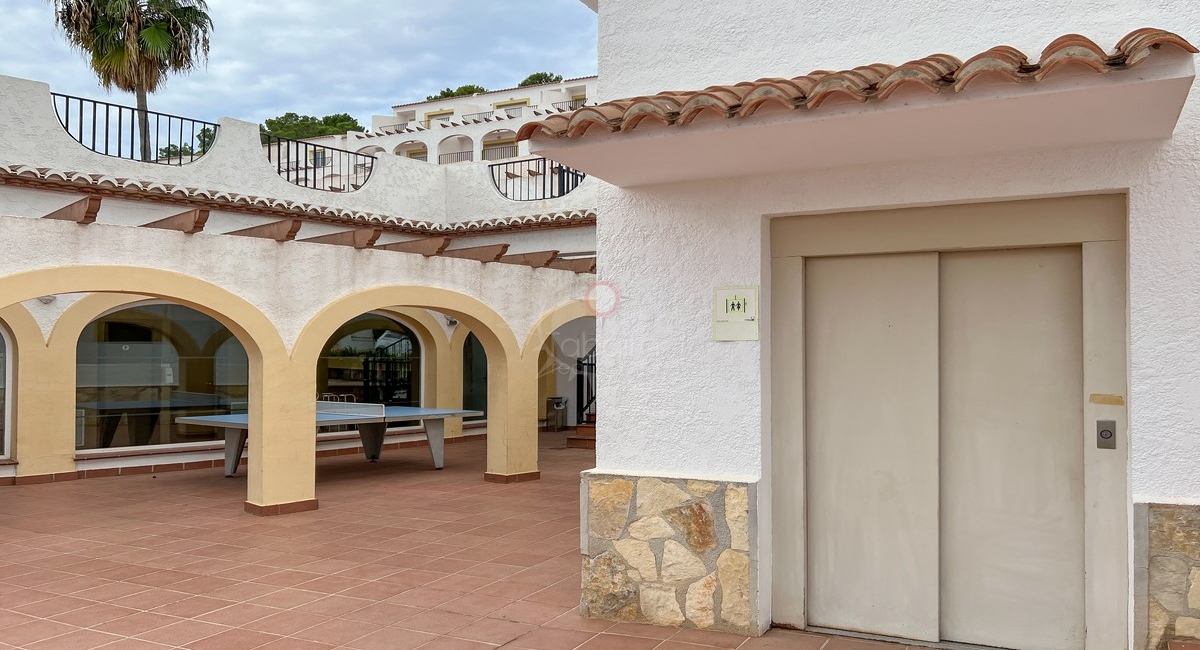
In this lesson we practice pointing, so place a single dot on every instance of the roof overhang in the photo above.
(1073, 107)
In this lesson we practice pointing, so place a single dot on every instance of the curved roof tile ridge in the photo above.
(874, 82)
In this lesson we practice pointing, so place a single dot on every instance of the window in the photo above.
(372, 358)
(139, 368)
(5, 382)
(474, 377)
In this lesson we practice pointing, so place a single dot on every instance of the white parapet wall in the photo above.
(237, 164)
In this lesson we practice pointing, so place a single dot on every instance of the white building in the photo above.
(965, 410)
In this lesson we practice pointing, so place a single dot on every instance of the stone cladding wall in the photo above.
(669, 552)
(1170, 538)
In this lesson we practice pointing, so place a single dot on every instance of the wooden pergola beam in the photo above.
(357, 237)
(490, 253)
(189, 222)
(538, 259)
(280, 231)
(578, 265)
(427, 246)
(82, 212)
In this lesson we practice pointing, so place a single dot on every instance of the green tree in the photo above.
(134, 45)
(298, 127)
(540, 78)
(204, 140)
(461, 91)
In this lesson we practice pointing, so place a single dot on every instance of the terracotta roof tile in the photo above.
(934, 73)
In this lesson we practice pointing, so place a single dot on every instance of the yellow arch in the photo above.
(512, 423)
(554, 319)
(277, 414)
(27, 342)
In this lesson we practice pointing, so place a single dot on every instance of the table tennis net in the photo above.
(352, 408)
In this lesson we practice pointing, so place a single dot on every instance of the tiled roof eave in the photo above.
(937, 73)
(131, 189)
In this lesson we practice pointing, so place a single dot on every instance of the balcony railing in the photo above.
(423, 157)
(571, 105)
(445, 118)
(534, 179)
(517, 111)
(114, 130)
(500, 152)
(316, 166)
(475, 117)
(458, 156)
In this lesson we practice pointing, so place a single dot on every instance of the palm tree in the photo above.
(134, 45)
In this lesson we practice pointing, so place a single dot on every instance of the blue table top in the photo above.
(391, 413)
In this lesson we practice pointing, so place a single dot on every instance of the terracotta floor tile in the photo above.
(193, 606)
(425, 597)
(785, 640)
(287, 598)
(238, 615)
(235, 639)
(844, 643)
(709, 638)
(524, 611)
(76, 640)
(335, 605)
(619, 642)
(10, 619)
(451, 643)
(36, 630)
(385, 613)
(94, 615)
(391, 638)
(475, 604)
(136, 624)
(286, 623)
(643, 630)
(492, 630)
(52, 606)
(547, 638)
(436, 621)
(337, 631)
(134, 644)
(289, 643)
(182, 632)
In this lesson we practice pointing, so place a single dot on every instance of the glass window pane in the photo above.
(371, 358)
(474, 377)
(138, 369)
(4, 382)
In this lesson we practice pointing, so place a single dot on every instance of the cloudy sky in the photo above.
(319, 57)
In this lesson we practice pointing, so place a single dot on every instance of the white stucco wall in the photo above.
(678, 44)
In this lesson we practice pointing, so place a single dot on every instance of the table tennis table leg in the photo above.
(235, 444)
(371, 434)
(435, 432)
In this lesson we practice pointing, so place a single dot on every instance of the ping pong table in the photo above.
(370, 419)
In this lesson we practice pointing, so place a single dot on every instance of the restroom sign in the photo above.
(735, 313)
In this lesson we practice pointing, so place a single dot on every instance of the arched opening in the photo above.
(140, 367)
(566, 371)
(455, 149)
(371, 358)
(371, 150)
(413, 149)
(6, 380)
(500, 144)
(475, 377)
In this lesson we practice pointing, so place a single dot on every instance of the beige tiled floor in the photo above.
(398, 557)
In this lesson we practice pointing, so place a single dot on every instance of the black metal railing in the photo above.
(429, 122)
(585, 388)
(117, 131)
(457, 156)
(499, 152)
(570, 105)
(475, 117)
(534, 179)
(518, 111)
(316, 166)
(423, 157)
